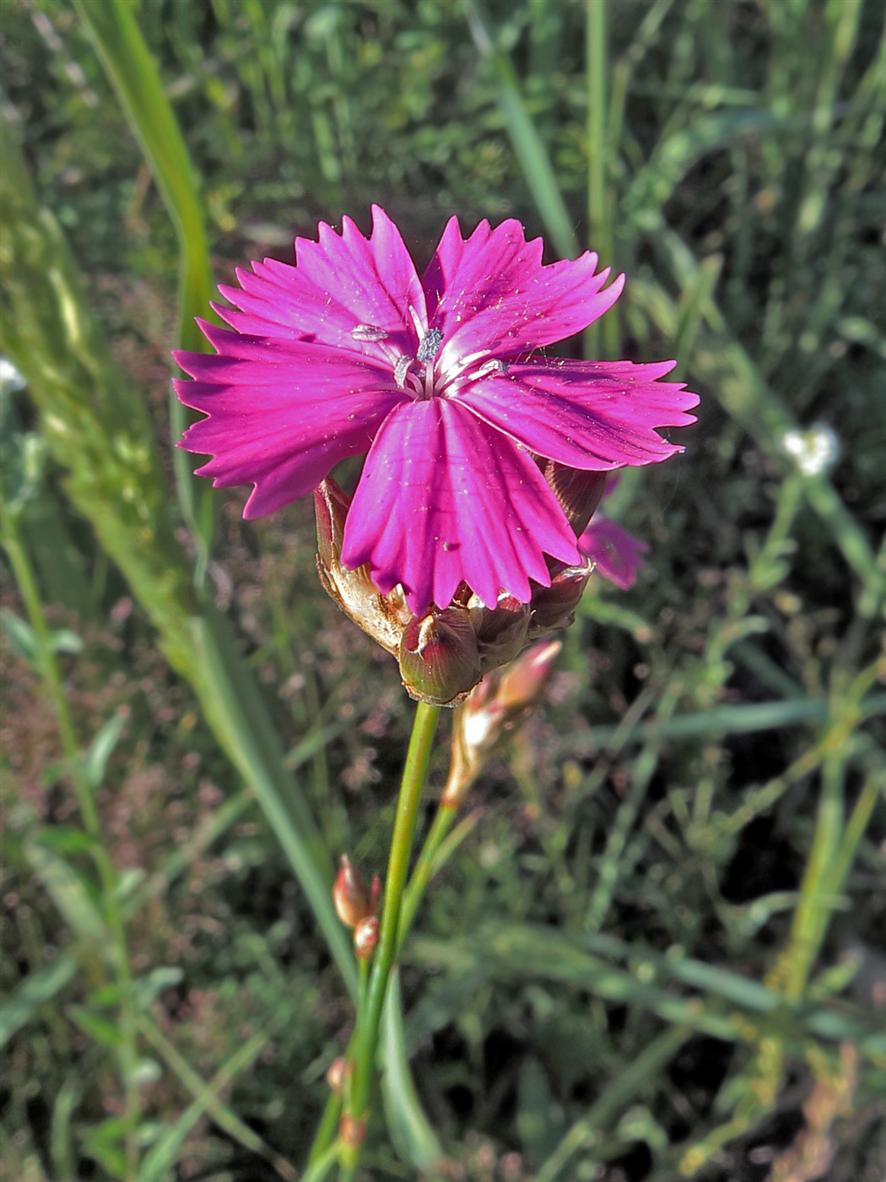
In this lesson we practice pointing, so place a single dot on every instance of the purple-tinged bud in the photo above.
(501, 630)
(554, 607)
(493, 710)
(579, 492)
(366, 937)
(383, 617)
(353, 901)
(439, 657)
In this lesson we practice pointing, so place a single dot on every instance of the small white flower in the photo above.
(10, 379)
(814, 450)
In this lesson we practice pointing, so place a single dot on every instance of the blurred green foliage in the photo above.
(663, 932)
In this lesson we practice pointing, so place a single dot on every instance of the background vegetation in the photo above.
(658, 951)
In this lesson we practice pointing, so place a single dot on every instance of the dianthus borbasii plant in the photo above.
(468, 538)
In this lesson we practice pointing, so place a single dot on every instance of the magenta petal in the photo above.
(281, 414)
(445, 499)
(586, 414)
(491, 293)
(618, 555)
(339, 282)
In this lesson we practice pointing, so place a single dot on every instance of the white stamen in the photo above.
(417, 321)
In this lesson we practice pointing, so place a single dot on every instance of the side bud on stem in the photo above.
(493, 710)
(353, 901)
(366, 937)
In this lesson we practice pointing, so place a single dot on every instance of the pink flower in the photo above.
(437, 379)
(617, 554)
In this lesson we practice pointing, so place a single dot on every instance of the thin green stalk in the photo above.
(369, 1020)
(425, 865)
(599, 220)
(24, 575)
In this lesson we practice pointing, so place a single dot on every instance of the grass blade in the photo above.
(134, 74)
(528, 144)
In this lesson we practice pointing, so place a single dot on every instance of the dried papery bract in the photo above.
(383, 617)
(493, 710)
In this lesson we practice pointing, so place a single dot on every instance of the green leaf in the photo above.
(23, 1005)
(69, 891)
(106, 1143)
(99, 1029)
(101, 748)
(21, 637)
(411, 1132)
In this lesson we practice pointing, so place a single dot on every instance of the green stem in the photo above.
(369, 1019)
(434, 852)
(424, 868)
(24, 576)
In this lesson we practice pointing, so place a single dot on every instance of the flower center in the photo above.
(417, 373)
(420, 381)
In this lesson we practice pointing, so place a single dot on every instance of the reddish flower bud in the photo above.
(501, 631)
(554, 607)
(351, 1131)
(353, 902)
(439, 657)
(491, 712)
(524, 680)
(366, 937)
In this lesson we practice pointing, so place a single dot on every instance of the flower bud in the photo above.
(353, 901)
(383, 617)
(501, 631)
(366, 937)
(579, 492)
(337, 1073)
(554, 607)
(351, 1131)
(522, 683)
(439, 657)
(491, 712)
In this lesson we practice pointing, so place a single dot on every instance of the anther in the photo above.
(401, 369)
(430, 343)
(491, 367)
(369, 332)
